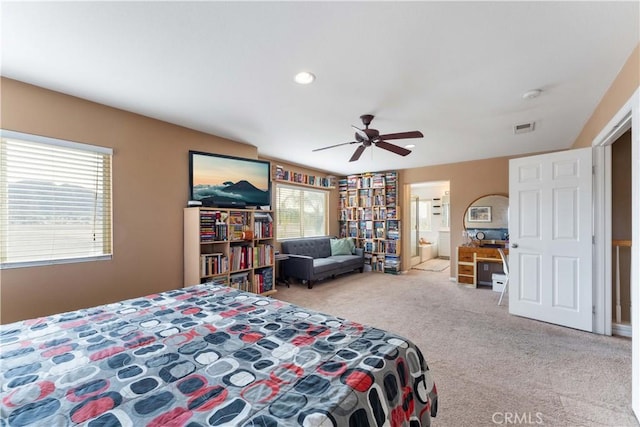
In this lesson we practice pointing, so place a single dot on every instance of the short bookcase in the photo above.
(233, 247)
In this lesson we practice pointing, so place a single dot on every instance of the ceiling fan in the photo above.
(366, 137)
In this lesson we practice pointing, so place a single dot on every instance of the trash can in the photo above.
(499, 281)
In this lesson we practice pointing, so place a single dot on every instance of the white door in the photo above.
(550, 232)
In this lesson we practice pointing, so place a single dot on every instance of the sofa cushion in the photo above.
(347, 260)
(323, 265)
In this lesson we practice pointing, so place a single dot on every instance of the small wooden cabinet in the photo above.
(232, 247)
(468, 259)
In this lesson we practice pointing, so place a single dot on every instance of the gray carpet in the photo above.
(434, 264)
(488, 365)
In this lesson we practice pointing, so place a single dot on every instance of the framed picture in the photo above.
(479, 214)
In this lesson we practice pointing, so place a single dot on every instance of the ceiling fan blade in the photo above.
(361, 132)
(393, 148)
(402, 135)
(336, 145)
(357, 153)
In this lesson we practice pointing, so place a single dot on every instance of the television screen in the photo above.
(225, 181)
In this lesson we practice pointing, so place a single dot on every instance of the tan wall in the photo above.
(624, 85)
(150, 189)
(467, 182)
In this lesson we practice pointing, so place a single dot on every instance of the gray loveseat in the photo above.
(310, 259)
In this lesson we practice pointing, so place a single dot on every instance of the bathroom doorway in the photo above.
(430, 233)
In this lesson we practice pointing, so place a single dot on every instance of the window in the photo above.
(55, 201)
(300, 212)
(424, 215)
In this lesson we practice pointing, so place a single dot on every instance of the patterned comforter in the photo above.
(209, 355)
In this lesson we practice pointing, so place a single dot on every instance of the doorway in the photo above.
(627, 118)
(621, 235)
(430, 235)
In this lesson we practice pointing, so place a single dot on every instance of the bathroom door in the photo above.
(550, 229)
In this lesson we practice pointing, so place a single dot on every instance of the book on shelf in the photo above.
(379, 263)
(238, 223)
(213, 264)
(213, 226)
(391, 213)
(282, 174)
(392, 264)
(391, 246)
(380, 246)
(344, 230)
(379, 213)
(240, 281)
(379, 229)
(262, 225)
(353, 229)
(263, 280)
(263, 255)
(241, 257)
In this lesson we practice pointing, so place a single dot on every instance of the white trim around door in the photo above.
(628, 114)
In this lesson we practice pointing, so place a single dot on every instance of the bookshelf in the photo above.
(232, 247)
(369, 212)
(281, 174)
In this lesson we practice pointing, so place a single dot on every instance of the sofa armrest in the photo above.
(298, 266)
(359, 252)
(291, 256)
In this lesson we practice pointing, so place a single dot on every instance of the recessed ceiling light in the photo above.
(410, 146)
(304, 78)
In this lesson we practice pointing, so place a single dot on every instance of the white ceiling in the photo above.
(454, 70)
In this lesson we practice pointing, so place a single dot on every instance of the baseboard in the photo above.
(453, 279)
(622, 330)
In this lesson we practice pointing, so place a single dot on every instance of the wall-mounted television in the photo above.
(225, 181)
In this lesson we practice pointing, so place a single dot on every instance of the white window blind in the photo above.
(55, 201)
(300, 212)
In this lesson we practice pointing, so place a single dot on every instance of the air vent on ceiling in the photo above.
(524, 127)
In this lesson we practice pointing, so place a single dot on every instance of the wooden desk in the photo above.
(468, 259)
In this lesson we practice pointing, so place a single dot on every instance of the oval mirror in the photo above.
(487, 219)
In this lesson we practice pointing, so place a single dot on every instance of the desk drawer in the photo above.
(466, 269)
(465, 280)
(465, 256)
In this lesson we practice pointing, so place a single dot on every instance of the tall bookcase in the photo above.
(370, 213)
(232, 247)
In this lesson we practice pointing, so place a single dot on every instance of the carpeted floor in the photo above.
(490, 367)
(433, 264)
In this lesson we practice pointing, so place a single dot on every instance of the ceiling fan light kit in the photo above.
(369, 136)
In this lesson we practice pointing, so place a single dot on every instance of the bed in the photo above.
(209, 355)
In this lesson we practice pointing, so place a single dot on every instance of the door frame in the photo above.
(628, 115)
